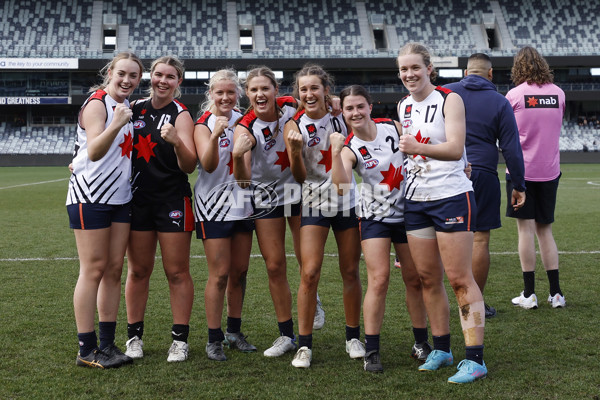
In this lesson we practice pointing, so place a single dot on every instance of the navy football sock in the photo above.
(442, 343)
(371, 343)
(87, 343)
(107, 333)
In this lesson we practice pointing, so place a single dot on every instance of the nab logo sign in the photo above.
(541, 101)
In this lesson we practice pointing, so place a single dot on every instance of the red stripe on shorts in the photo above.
(469, 216)
(203, 233)
(81, 215)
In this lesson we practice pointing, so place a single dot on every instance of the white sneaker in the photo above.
(281, 345)
(319, 320)
(525, 302)
(557, 300)
(302, 358)
(134, 348)
(355, 348)
(178, 351)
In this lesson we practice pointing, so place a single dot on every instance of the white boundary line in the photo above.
(33, 183)
(501, 253)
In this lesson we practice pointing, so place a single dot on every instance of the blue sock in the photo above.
(475, 353)
(87, 342)
(442, 343)
(371, 343)
(107, 333)
(305, 340)
(352, 332)
(286, 328)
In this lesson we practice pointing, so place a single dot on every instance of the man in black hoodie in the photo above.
(490, 119)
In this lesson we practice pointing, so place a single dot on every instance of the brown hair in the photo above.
(313, 70)
(529, 66)
(126, 55)
(174, 62)
(262, 70)
(418, 48)
(355, 90)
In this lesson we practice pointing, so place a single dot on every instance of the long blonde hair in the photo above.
(174, 62)
(225, 74)
(126, 55)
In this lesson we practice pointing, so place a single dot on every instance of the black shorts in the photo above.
(540, 201)
(370, 229)
(222, 229)
(97, 216)
(174, 215)
(488, 197)
(340, 222)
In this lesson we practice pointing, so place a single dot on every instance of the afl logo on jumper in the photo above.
(364, 153)
(313, 142)
(176, 214)
(406, 123)
(407, 111)
(270, 144)
(139, 124)
(541, 101)
(312, 130)
(371, 164)
(224, 142)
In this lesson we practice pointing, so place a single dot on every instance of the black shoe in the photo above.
(98, 359)
(114, 352)
(373, 362)
(490, 312)
(420, 351)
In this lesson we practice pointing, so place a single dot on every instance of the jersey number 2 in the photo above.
(392, 144)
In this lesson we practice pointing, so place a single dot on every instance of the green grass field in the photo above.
(536, 354)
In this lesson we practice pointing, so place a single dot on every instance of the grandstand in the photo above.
(357, 41)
